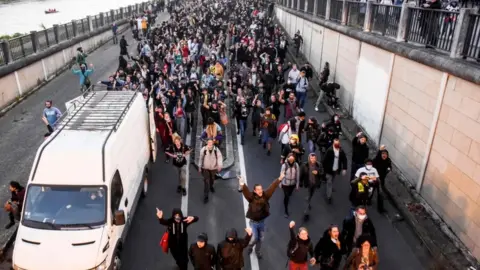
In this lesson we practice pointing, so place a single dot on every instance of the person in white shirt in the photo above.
(373, 176)
(293, 77)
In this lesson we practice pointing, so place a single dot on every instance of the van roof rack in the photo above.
(99, 111)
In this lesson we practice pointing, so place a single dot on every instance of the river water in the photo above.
(25, 16)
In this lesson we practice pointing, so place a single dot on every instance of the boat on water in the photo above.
(51, 11)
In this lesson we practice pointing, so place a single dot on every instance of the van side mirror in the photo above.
(119, 218)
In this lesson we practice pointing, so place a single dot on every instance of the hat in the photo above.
(202, 237)
(294, 137)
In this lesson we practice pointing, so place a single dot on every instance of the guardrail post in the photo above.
(55, 33)
(403, 23)
(328, 9)
(315, 7)
(74, 27)
(90, 23)
(129, 10)
(122, 14)
(460, 33)
(102, 19)
(7, 54)
(34, 38)
(137, 8)
(344, 12)
(367, 24)
(112, 15)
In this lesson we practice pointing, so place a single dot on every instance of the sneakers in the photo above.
(184, 192)
(316, 109)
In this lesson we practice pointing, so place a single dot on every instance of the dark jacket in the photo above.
(359, 192)
(348, 232)
(383, 166)
(327, 253)
(18, 197)
(305, 174)
(178, 236)
(359, 151)
(289, 149)
(230, 252)
(329, 158)
(202, 258)
(299, 249)
(259, 207)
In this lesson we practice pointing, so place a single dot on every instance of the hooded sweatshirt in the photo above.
(230, 251)
(178, 236)
(202, 258)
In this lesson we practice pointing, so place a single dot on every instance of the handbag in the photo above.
(164, 242)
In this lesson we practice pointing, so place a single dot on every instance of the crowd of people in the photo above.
(206, 59)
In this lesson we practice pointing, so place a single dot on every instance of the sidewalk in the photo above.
(444, 246)
(21, 128)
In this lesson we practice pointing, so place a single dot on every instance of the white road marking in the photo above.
(253, 257)
(184, 205)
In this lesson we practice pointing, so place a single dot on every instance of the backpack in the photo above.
(214, 152)
(282, 126)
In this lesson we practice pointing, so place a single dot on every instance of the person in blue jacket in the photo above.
(84, 74)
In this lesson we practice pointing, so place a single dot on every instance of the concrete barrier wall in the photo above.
(428, 119)
(18, 83)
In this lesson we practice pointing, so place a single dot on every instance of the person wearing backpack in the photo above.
(84, 75)
(301, 89)
(299, 247)
(211, 162)
(291, 182)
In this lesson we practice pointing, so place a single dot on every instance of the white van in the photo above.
(85, 184)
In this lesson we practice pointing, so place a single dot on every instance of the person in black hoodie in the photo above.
(15, 204)
(359, 153)
(190, 109)
(328, 250)
(383, 164)
(177, 226)
(334, 162)
(299, 247)
(230, 250)
(202, 254)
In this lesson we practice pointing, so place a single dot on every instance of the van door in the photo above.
(153, 129)
(118, 201)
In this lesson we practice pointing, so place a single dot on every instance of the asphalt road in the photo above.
(398, 247)
(22, 130)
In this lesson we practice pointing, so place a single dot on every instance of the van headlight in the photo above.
(102, 266)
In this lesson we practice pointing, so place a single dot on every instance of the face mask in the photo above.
(369, 167)
(336, 145)
(177, 219)
(361, 217)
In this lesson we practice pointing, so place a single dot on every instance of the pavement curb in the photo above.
(65, 67)
(448, 250)
(230, 156)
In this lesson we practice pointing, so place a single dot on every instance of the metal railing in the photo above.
(310, 6)
(356, 14)
(302, 5)
(431, 28)
(23, 46)
(336, 10)
(321, 8)
(385, 19)
(20, 46)
(471, 48)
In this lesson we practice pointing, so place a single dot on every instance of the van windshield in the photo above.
(65, 207)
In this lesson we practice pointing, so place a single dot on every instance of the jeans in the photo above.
(311, 146)
(182, 175)
(208, 180)
(242, 127)
(258, 233)
(180, 124)
(301, 97)
(330, 179)
(319, 99)
(189, 121)
(265, 136)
